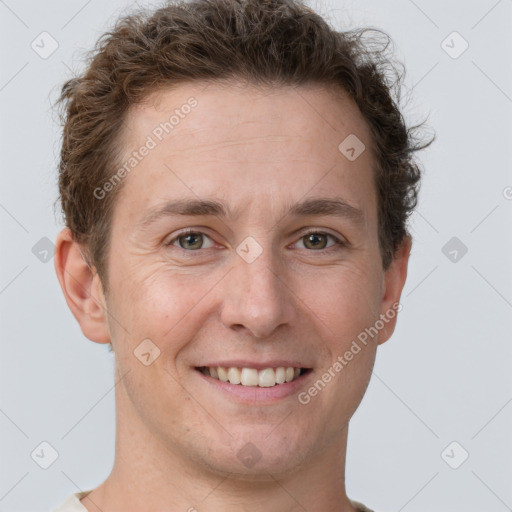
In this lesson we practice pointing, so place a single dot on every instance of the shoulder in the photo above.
(72, 503)
(360, 507)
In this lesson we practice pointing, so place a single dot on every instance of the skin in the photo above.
(259, 151)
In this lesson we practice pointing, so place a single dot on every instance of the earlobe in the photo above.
(394, 281)
(81, 287)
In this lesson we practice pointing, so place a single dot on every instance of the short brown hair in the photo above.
(265, 42)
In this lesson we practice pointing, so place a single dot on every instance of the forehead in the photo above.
(235, 140)
(310, 112)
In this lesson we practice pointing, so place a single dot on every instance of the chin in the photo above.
(258, 455)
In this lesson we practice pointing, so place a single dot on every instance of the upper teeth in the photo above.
(252, 377)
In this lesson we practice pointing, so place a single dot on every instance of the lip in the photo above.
(239, 363)
(255, 394)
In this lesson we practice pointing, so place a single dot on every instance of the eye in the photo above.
(317, 240)
(190, 240)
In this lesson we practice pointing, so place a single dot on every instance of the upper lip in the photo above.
(239, 363)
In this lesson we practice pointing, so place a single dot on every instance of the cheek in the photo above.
(345, 300)
(160, 303)
(347, 307)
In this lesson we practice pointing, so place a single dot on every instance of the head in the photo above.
(252, 108)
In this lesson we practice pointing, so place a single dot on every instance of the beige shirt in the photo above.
(72, 504)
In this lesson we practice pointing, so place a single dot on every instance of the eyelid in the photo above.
(184, 232)
(339, 241)
(317, 231)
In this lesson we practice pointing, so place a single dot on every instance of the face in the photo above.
(262, 278)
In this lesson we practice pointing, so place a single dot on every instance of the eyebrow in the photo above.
(318, 206)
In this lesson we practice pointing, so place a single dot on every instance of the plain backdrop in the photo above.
(433, 430)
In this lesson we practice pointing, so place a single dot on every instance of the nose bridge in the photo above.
(257, 297)
(260, 275)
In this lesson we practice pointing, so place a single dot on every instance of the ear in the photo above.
(81, 287)
(394, 280)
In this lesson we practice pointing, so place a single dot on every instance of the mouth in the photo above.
(244, 385)
(252, 377)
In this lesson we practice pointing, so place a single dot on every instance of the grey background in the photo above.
(444, 376)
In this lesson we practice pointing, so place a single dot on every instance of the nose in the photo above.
(257, 297)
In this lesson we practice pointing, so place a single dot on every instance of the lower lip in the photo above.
(261, 395)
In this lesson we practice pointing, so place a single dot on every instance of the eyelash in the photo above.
(338, 243)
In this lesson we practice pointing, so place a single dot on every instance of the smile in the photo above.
(268, 377)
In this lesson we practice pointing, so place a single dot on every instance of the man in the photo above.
(236, 180)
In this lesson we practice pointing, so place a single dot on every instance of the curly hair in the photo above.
(264, 42)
